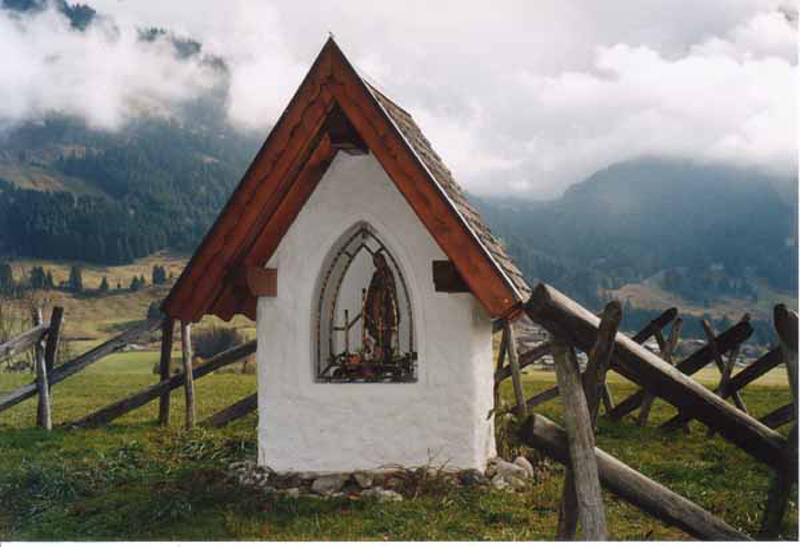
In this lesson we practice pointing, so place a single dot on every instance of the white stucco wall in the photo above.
(310, 426)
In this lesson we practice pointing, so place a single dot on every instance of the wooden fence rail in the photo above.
(22, 342)
(565, 318)
(115, 410)
(696, 361)
(632, 486)
(76, 365)
(237, 410)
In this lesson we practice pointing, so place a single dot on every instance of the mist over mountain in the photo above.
(713, 228)
(149, 164)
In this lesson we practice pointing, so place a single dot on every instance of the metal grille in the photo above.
(357, 364)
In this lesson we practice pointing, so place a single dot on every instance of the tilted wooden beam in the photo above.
(633, 487)
(115, 410)
(79, 363)
(239, 409)
(23, 341)
(567, 319)
(696, 361)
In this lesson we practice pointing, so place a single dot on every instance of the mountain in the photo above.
(702, 230)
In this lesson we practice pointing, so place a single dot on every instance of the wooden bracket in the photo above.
(447, 279)
(262, 281)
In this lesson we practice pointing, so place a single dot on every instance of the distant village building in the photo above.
(373, 282)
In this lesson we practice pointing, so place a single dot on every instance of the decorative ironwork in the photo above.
(384, 351)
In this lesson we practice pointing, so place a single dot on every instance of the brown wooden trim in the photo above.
(262, 281)
(447, 279)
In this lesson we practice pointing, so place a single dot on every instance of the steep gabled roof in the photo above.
(285, 173)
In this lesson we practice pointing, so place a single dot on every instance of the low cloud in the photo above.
(519, 97)
(105, 74)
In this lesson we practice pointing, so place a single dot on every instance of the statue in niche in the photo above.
(380, 310)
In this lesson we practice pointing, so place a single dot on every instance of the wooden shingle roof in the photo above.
(334, 100)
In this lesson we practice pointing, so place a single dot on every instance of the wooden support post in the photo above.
(516, 378)
(44, 411)
(186, 351)
(667, 349)
(43, 415)
(594, 385)
(589, 501)
(501, 357)
(164, 365)
(737, 399)
(594, 379)
(54, 337)
(786, 326)
(631, 486)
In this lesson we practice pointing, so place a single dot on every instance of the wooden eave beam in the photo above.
(428, 201)
(305, 113)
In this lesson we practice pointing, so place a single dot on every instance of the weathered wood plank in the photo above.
(76, 365)
(516, 378)
(780, 490)
(164, 365)
(779, 416)
(594, 379)
(667, 349)
(534, 354)
(115, 410)
(188, 384)
(583, 464)
(711, 337)
(754, 370)
(786, 326)
(53, 337)
(43, 413)
(593, 383)
(577, 326)
(696, 361)
(22, 342)
(632, 486)
(237, 410)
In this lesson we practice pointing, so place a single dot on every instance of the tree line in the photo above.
(39, 278)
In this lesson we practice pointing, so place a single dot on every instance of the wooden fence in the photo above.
(572, 328)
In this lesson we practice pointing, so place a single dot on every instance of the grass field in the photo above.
(136, 481)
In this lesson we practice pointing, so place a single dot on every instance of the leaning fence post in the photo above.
(167, 328)
(43, 415)
(516, 378)
(50, 353)
(667, 349)
(588, 497)
(781, 486)
(186, 351)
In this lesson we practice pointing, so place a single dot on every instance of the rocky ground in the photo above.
(385, 484)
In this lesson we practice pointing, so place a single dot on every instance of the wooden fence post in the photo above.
(588, 497)
(781, 486)
(167, 329)
(516, 378)
(186, 350)
(43, 415)
(53, 337)
(667, 349)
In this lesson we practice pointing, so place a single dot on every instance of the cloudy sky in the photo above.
(518, 97)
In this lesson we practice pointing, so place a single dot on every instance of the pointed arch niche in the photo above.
(364, 316)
